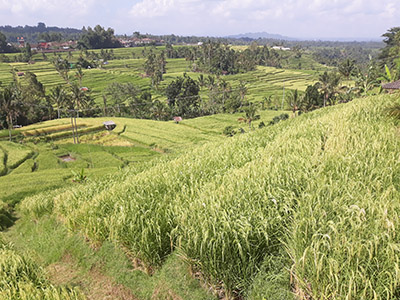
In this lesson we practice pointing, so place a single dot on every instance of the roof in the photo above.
(108, 123)
(392, 85)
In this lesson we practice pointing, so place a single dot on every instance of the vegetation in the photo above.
(301, 205)
(22, 279)
(292, 217)
(98, 38)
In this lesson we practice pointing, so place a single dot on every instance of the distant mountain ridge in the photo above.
(33, 33)
(266, 35)
(262, 35)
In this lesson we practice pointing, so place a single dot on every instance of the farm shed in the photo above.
(110, 125)
(392, 86)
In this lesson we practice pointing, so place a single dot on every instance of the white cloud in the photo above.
(56, 12)
(307, 18)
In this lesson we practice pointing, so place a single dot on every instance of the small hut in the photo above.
(392, 86)
(177, 119)
(110, 125)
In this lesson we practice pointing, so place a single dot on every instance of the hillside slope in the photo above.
(308, 207)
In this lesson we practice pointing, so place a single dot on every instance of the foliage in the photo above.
(183, 96)
(33, 34)
(21, 278)
(98, 38)
(237, 208)
(229, 131)
(250, 111)
(4, 47)
(79, 177)
(347, 68)
(329, 86)
(279, 118)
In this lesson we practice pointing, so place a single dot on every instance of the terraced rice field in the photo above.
(265, 81)
(37, 163)
(305, 208)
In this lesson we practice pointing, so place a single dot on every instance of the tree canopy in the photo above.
(98, 38)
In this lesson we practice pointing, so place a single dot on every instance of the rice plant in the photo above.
(316, 196)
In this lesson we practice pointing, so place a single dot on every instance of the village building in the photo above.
(392, 86)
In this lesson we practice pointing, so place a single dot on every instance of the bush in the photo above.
(229, 131)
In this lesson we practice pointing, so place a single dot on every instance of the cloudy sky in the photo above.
(294, 18)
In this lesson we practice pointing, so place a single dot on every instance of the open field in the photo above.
(308, 207)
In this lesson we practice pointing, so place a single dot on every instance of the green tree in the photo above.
(329, 85)
(36, 105)
(59, 97)
(79, 75)
(392, 48)
(312, 98)
(81, 98)
(183, 96)
(11, 105)
(4, 47)
(123, 93)
(62, 66)
(295, 101)
(27, 52)
(347, 67)
(367, 81)
(250, 111)
(98, 38)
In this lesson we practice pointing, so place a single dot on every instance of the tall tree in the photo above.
(62, 66)
(347, 67)
(98, 38)
(183, 96)
(329, 85)
(59, 97)
(295, 101)
(11, 105)
(250, 111)
(81, 98)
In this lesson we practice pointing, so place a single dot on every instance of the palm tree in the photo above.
(58, 96)
(347, 67)
(79, 75)
(329, 85)
(294, 101)
(250, 114)
(226, 89)
(10, 105)
(80, 97)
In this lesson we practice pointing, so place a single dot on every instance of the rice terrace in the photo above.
(199, 165)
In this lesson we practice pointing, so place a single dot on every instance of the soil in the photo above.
(67, 158)
(94, 284)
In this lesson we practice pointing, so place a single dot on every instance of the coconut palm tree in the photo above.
(295, 101)
(10, 105)
(329, 85)
(58, 96)
(250, 114)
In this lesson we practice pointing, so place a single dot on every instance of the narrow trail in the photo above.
(94, 284)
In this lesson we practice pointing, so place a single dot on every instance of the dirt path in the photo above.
(94, 284)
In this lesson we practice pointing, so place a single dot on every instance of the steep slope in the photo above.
(306, 207)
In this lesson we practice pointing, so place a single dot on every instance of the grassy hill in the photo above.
(308, 208)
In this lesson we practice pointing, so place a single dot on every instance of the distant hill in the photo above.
(41, 31)
(262, 35)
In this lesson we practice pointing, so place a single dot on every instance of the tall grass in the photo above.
(21, 279)
(316, 195)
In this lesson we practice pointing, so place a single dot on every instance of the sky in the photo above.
(310, 19)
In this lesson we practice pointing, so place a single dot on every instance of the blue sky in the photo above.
(294, 18)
